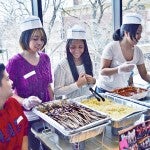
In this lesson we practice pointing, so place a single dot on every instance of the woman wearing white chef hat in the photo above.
(74, 74)
(121, 56)
(30, 72)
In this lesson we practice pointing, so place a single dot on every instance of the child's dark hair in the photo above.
(86, 60)
(2, 68)
(131, 28)
(26, 35)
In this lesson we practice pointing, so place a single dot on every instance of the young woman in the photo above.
(74, 74)
(121, 56)
(30, 70)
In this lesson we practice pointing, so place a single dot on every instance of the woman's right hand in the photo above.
(30, 102)
(81, 80)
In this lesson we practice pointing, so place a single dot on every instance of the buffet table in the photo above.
(97, 130)
(105, 141)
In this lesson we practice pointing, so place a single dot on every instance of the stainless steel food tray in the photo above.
(125, 121)
(88, 133)
(97, 124)
(137, 96)
(141, 102)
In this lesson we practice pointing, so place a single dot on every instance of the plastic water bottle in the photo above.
(50, 133)
(54, 138)
(41, 147)
(78, 146)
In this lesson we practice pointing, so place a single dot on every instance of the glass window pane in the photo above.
(57, 18)
(12, 13)
(95, 17)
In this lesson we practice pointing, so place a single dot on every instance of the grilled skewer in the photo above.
(47, 108)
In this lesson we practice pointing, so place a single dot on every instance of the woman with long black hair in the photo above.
(121, 56)
(74, 74)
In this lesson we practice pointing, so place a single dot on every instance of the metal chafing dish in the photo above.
(145, 101)
(125, 121)
(75, 135)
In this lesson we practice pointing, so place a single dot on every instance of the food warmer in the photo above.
(126, 120)
(77, 134)
(135, 94)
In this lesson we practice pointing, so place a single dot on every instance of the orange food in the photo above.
(129, 91)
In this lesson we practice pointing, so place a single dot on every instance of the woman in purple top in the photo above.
(30, 79)
(30, 71)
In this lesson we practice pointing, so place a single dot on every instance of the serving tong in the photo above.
(97, 95)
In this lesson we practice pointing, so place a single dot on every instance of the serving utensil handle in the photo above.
(97, 94)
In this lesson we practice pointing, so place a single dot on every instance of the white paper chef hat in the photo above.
(132, 18)
(76, 32)
(32, 22)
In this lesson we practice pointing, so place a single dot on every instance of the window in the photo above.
(95, 17)
(12, 13)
